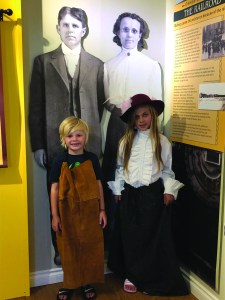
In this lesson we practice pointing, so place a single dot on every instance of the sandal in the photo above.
(88, 292)
(65, 293)
(129, 287)
(145, 293)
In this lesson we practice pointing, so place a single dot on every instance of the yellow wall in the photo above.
(14, 274)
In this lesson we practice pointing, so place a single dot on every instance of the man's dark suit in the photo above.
(50, 97)
(53, 97)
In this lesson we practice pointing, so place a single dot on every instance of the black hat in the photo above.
(140, 99)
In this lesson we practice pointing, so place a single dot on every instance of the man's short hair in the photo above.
(75, 12)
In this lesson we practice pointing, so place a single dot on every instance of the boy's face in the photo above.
(143, 118)
(129, 33)
(75, 142)
(70, 31)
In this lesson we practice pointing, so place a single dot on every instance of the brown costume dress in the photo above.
(80, 242)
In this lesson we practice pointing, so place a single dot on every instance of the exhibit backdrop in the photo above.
(101, 18)
(40, 36)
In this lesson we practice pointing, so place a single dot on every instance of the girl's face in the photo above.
(75, 142)
(143, 118)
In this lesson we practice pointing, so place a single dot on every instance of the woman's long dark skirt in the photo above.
(115, 130)
(142, 248)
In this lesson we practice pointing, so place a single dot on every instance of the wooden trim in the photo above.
(3, 164)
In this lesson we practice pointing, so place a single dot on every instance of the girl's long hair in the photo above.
(128, 137)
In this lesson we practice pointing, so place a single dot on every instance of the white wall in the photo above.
(101, 18)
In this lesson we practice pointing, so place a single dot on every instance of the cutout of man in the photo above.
(66, 81)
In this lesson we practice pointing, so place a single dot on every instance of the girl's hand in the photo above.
(117, 198)
(168, 198)
(56, 223)
(102, 218)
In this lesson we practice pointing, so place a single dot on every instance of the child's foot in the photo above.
(64, 294)
(129, 287)
(88, 292)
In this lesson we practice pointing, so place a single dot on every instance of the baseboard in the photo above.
(50, 276)
(197, 289)
(46, 277)
(55, 275)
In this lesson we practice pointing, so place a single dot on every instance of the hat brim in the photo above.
(157, 104)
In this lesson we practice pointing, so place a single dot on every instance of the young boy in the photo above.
(78, 210)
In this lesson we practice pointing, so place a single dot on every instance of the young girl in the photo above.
(78, 211)
(142, 251)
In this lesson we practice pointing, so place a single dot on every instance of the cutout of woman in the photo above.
(129, 73)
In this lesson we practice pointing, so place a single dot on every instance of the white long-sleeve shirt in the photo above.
(143, 168)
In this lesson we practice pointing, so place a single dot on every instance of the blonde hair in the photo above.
(128, 137)
(71, 124)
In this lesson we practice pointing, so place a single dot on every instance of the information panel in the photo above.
(198, 94)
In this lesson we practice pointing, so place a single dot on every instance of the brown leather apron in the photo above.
(80, 243)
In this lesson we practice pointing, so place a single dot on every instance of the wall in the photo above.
(13, 216)
(14, 275)
(39, 19)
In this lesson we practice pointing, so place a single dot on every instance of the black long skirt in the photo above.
(141, 248)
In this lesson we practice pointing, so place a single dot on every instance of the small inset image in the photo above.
(213, 40)
(211, 96)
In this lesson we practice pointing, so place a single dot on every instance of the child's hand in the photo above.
(117, 198)
(102, 218)
(168, 198)
(56, 223)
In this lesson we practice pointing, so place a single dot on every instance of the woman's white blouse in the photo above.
(142, 167)
(129, 73)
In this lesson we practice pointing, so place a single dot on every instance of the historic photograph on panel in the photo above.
(196, 211)
(212, 96)
(213, 40)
